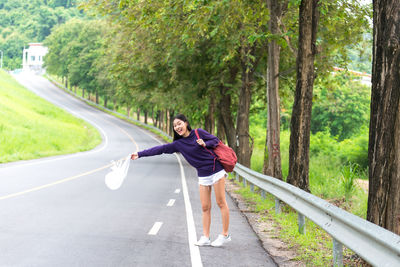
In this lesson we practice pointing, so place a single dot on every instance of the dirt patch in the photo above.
(363, 184)
(266, 231)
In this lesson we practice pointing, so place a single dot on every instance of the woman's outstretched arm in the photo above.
(157, 150)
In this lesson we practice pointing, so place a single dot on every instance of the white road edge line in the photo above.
(194, 250)
(156, 227)
(171, 202)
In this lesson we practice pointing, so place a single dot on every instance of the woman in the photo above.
(209, 170)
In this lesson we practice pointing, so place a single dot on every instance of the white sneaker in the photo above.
(203, 241)
(221, 240)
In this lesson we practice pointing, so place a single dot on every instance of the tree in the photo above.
(58, 59)
(272, 158)
(196, 50)
(341, 105)
(73, 50)
(188, 55)
(384, 131)
(23, 22)
(341, 25)
(301, 115)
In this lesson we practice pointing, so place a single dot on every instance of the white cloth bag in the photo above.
(118, 173)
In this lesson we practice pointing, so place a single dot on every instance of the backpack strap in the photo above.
(198, 137)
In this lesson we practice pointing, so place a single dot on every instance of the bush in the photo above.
(341, 105)
(355, 149)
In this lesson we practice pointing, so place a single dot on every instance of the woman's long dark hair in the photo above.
(184, 119)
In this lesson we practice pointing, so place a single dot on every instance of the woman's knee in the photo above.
(206, 207)
(222, 203)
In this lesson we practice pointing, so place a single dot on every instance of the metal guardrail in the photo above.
(371, 242)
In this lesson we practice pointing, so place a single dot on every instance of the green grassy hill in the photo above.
(31, 127)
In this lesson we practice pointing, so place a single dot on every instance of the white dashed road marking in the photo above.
(156, 227)
(171, 202)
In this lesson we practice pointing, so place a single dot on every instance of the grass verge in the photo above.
(31, 127)
(314, 248)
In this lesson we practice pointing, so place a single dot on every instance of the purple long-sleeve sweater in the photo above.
(196, 155)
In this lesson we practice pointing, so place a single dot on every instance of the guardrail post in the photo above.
(337, 253)
(252, 188)
(302, 223)
(237, 177)
(277, 206)
(263, 194)
(244, 182)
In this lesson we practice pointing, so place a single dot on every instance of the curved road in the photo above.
(57, 211)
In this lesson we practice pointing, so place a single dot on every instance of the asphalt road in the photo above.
(57, 211)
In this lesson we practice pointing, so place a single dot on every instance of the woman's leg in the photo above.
(219, 188)
(205, 199)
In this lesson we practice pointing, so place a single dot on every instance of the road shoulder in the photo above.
(265, 230)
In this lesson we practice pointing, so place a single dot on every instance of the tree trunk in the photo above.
(154, 118)
(221, 128)
(225, 110)
(138, 114)
(209, 120)
(152, 114)
(128, 111)
(83, 93)
(272, 157)
(161, 120)
(165, 118)
(227, 118)
(105, 101)
(97, 96)
(384, 130)
(145, 116)
(156, 122)
(242, 129)
(171, 122)
(301, 115)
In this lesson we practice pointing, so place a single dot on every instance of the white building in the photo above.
(32, 57)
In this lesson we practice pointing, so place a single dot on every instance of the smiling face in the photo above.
(180, 127)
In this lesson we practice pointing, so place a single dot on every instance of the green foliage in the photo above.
(349, 174)
(342, 25)
(177, 55)
(73, 49)
(340, 105)
(360, 54)
(349, 150)
(23, 22)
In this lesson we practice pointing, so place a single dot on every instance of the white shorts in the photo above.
(212, 179)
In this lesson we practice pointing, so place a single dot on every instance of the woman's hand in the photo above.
(201, 142)
(134, 156)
